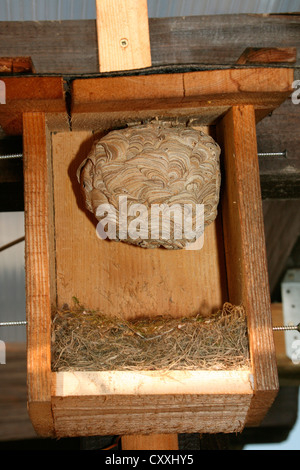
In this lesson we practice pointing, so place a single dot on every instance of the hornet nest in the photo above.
(152, 165)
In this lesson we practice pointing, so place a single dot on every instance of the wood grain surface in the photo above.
(123, 35)
(71, 47)
(105, 403)
(31, 94)
(150, 442)
(245, 250)
(119, 279)
(39, 265)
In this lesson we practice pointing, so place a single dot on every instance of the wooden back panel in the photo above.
(117, 278)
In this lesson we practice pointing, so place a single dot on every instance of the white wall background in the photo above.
(39, 10)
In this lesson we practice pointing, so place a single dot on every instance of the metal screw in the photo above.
(273, 154)
(287, 328)
(12, 155)
(13, 323)
(124, 42)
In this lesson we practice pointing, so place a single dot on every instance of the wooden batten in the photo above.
(123, 35)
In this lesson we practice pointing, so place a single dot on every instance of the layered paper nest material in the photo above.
(154, 164)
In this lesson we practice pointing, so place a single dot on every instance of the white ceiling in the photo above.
(40, 10)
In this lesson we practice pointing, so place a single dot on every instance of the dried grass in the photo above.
(83, 340)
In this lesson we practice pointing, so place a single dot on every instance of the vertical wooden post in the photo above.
(37, 191)
(245, 250)
(150, 442)
(123, 35)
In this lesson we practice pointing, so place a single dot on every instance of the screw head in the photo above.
(124, 42)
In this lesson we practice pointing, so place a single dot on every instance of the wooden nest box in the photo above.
(64, 258)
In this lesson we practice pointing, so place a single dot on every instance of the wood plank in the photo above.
(16, 65)
(117, 93)
(280, 177)
(289, 373)
(71, 48)
(268, 55)
(265, 88)
(219, 39)
(109, 403)
(212, 91)
(150, 442)
(121, 279)
(39, 271)
(30, 94)
(245, 251)
(163, 382)
(282, 229)
(123, 35)
(14, 420)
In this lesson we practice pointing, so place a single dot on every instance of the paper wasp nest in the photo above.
(157, 166)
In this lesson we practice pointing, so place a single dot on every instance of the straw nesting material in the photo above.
(91, 341)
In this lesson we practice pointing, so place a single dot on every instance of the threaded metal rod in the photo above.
(287, 328)
(13, 323)
(261, 154)
(273, 154)
(11, 155)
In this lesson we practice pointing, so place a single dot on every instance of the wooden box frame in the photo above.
(104, 403)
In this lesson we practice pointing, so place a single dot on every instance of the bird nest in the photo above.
(91, 341)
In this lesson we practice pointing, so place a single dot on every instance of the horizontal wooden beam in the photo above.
(208, 93)
(70, 47)
(33, 94)
(268, 55)
(16, 65)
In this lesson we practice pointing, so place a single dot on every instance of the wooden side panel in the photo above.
(39, 258)
(245, 251)
(119, 279)
(123, 35)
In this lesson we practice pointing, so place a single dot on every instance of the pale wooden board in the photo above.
(117, 278)
(123, 35)
(162, 382)
(106, 403)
